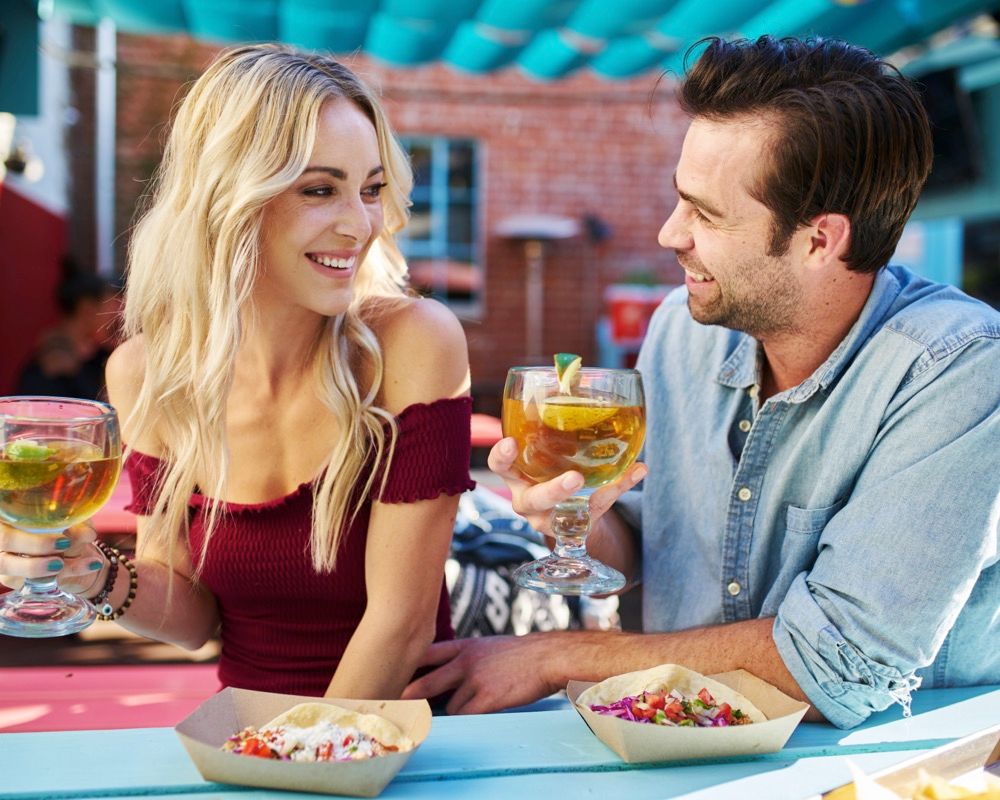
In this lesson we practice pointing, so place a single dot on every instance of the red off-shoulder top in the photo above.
(285, 627)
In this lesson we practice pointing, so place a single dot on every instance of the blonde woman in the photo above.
(298, 426)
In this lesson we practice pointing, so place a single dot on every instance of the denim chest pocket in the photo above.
(802, 529)
(810, 521)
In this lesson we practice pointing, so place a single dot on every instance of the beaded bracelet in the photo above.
(105, 611)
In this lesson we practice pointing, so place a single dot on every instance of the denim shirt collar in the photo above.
(742, 368)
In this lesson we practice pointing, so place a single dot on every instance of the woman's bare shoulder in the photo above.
(127, 367)
(425, 353)
(124, 375)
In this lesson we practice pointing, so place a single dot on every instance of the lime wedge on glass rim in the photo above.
(567, 367)
(24, 465)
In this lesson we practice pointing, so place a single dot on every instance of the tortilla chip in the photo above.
(305, 715)
(665, 678)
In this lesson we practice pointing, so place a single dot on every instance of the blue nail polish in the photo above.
(55, 565)
(63, 543)
(93, 565)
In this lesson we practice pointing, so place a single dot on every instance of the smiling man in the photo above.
(823, 494)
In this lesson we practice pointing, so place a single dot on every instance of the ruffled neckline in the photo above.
(197, 499)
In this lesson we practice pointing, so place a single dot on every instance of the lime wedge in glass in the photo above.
(575, 413)
(23, 465)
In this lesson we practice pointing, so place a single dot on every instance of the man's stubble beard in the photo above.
(761, 300)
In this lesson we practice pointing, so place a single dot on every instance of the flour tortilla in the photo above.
(665, 678)
(305, 715)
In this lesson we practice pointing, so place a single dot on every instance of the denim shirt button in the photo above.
(733, 588)
(744, 425)
(754, 390)
(744, 494)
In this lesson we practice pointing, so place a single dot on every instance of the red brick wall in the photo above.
(579, 146)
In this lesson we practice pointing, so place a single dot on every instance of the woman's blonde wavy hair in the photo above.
(242, 135)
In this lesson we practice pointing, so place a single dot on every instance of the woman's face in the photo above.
(317, 232)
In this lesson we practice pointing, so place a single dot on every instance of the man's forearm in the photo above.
(613, 543)
(596, 655)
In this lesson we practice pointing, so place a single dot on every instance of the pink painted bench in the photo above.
(486, 430)
(112, 518)
(102, 697)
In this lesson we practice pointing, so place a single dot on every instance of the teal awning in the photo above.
(547, 39)
(18, 59)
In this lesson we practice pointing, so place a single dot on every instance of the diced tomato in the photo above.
(706, 697)
(255, 747)
(324, 752)
(674, 711)
(726, 712)
(656, 700)
(347, 740)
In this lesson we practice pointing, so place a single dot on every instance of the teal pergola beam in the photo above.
(526, 15)
(690, 20)
(478, 48)
(548, 39)
(339, 26)
(151, 16)
(599, 19)
(410, 32)
(552, 55)
(630, 56)
(233, 20)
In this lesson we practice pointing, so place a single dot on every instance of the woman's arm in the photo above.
(425, 360)
(170, 604)
(404, 567)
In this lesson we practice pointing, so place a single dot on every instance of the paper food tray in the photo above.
(978, 751)
(204, 731)
(638, 743)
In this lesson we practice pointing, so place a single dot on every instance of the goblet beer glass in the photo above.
(59, 462)
(597, 429)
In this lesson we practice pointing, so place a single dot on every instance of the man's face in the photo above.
(721, 234)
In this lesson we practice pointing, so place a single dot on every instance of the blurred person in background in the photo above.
(822, 503)
(70, 357)
(297, 422)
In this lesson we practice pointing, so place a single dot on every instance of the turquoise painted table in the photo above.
(534, 754)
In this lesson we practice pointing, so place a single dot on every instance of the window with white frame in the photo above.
(441, 242)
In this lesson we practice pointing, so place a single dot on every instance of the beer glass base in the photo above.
(569, 576)
(51, 613)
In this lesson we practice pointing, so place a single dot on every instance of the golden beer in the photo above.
(598, 436)
(62, 483)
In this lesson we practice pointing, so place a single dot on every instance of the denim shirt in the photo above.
(860, 508)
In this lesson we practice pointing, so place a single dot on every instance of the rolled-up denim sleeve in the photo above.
(835, 675)
(898, 562)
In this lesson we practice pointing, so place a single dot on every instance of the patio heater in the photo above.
(534, 231)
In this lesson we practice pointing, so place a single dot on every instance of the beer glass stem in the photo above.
(40, 586)
(570, 526)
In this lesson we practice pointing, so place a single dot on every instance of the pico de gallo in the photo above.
(674, 709)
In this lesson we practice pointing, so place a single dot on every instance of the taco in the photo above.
(320, 732)
(672, 696)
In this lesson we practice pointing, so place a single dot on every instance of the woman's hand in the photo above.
(535, 501)
(70, 556)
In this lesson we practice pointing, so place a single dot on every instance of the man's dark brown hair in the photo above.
(850, 134)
